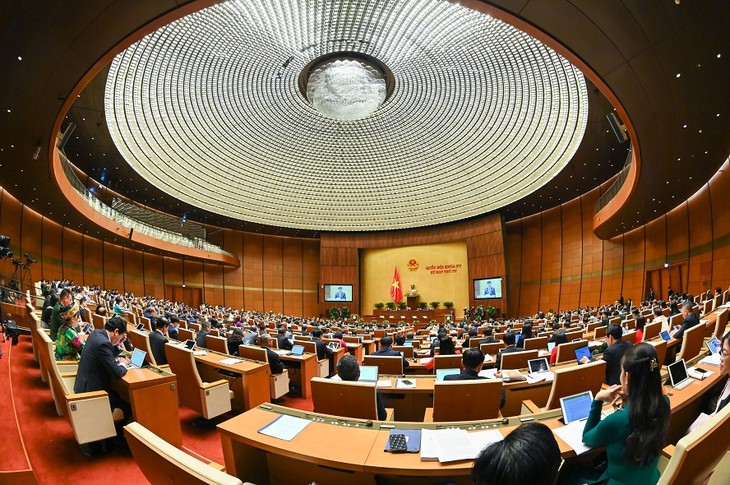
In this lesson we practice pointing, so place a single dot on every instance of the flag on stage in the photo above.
(395, 291)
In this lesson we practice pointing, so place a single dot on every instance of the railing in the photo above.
(616, 186)
(166, 222)
(163, 234)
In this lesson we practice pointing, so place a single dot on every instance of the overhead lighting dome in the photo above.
(345, 115)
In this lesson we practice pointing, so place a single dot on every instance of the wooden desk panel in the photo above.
(308, 369)
(249, 390)
(154, 401)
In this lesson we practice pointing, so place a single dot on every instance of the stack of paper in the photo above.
(488, 373)
(712, 359)
(384, 383)
(230, 361)
(285, 427)
(572, 434)
(447, 445)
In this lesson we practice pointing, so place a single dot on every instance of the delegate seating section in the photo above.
(465, 400)
(278, 383)
(569, 381)
(386, 364)
(210, 399)
(354, 399)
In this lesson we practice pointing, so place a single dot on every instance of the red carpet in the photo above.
(12, 449)
(54, 455)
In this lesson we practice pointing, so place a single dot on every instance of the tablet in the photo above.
(665, 336)
(714, 345)
(538, 365)
(581, 352)
(441, 373)
(368, 373)
(189, 344)
(576, 407)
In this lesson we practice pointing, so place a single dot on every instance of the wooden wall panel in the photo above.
(133, 273)
(30, 238)
(213, 293)
(154, 276)
(513, 257)
(173, 272)
(552, 248)
(233, 277)
(700, 242)
(93, 262)
(273, 275)
(113, 267)
(592, 248)
(633, 275)
(531, 264)
(572, 259)
(677, 235)
(718, 188)
(292, 276)
(310, 277)
(72, 256)
(52, 257)
(613, 255)
(252, 261)
(655, 246)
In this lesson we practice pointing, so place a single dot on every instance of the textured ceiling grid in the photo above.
(209, 107)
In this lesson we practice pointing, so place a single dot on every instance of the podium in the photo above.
(412, 302)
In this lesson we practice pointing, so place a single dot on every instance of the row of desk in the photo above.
(335, 450)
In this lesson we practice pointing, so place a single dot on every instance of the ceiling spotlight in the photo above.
(37, 152)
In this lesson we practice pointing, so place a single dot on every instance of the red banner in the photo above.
(395, 290)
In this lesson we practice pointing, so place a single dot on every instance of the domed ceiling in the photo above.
(349, 116)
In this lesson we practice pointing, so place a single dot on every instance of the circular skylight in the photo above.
(471, 114)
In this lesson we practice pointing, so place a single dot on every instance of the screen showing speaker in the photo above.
(335, 293)
(487, 288)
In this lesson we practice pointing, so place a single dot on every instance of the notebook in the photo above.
(296, 350)
(581, 352)
(678, 375)
(137, 359)
(441, 373)
(368, 373)
(576, 407)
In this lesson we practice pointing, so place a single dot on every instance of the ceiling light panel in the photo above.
(209, 109)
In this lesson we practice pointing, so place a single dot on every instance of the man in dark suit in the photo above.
(613, 354)
(385, 344)
(489, 290)
(274, 361)
(690, 320)
(473, 360)
(172, 329)
(282, 339)
(323, 352)
(158, 339)
(349, 370)
(509, 346)
(100, 364)
(200, 337)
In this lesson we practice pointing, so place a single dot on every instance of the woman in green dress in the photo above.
(68, 342)
(634, 435)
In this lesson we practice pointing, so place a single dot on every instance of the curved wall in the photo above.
(555, 261)
(276, 274)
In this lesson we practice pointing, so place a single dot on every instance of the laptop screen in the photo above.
(581, 352)
(333, 345)
(441, 373)
(677, 372)
(665, 335)
(538, 365)
(138, 356)
(189, 344)
(369, 373)
(297, 350)
(576, 407)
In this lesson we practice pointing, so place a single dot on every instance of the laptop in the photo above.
(576, 407)
(714, 345)
(678, 375)
(296, 350)
(537, 366)
(189, 344)
(551, 346)
(665, 335)
(408, 344)
(368, 373)
(441, 373)
(137, 359)
(333, 345)
(581, 352)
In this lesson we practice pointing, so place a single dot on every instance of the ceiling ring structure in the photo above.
(210, 108)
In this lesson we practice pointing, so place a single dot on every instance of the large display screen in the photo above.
(487, 288)
(337, 293)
